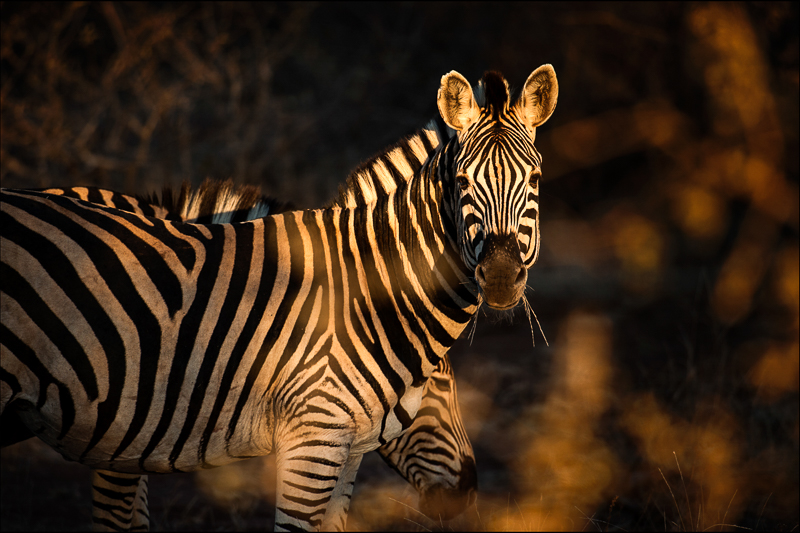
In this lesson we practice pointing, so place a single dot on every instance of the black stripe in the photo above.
(313, 409)
(113, 526)
(11, 380)
(16, 287)
(421, 314)
(95, 196)
(315, 460)
(324, 425)
(354, 289)
(297, 255)
(313, 475)
(126, 497)
(65, 276)
(301, 516)
(119, 481)
(306, 502)
(243, 252)
(338, 402)
(394, 172)
(315, 442)
(256, 316)
(411, 158)
(320, 268)
(313, 490)
(344, 379)
(301, 390)
(27, 357)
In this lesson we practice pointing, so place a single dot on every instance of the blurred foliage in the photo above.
(668, 397)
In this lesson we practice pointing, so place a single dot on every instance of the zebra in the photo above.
(426, 454)
(308, 334)
(435, 455)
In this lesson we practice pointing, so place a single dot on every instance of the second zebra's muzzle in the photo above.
(443, 502)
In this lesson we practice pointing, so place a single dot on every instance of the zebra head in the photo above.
(492, 171)
(435, 454)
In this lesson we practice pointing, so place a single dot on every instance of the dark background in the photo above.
(668, 280)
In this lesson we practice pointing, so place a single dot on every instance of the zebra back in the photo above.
(214, 202)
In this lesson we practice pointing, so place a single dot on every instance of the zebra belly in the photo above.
(142, 454)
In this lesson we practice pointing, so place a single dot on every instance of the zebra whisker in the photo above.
(472, 330)
(527, 306)
(529, 311)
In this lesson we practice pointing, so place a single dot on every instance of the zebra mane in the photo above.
(492, 92)
(381, 174)
(216, 202)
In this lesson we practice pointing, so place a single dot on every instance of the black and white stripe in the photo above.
(434, 455)
(311, 334)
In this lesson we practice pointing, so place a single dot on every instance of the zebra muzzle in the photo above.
(446, 502)
(500, 273)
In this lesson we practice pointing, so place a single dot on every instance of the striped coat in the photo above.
(309, 334)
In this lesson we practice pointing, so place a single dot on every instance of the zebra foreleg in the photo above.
(119, 502)
(307, 483)
(339, 506)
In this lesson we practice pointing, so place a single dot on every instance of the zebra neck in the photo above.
(418, 260)
(384, 172)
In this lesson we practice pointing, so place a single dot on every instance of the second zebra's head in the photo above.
(493, 170)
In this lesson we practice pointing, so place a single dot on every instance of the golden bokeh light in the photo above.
(637, 241)
(738, 280)
(240, 485)
(776, 372)
(564, 464)
(702, 214)
(701, 456)
(786, 285)
(575, 242)
(659, 124)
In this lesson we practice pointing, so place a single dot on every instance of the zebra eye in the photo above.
(463, 182)
(534, 176)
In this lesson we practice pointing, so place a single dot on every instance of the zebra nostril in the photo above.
(522, 276)
(479, 277)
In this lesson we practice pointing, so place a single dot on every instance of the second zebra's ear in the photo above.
(539, 97)
(456, 102)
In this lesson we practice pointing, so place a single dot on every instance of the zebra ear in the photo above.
(456, 102)
(538, 99)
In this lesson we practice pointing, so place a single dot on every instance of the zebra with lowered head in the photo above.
(308, 334)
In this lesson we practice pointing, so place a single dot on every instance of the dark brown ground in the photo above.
(668, 280)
